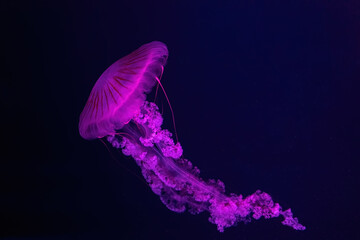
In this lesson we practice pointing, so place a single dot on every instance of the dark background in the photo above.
(265, 97)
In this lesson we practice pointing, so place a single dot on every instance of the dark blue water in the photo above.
(265, 96)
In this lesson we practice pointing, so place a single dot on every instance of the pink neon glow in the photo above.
(139, 135)
(119, 92)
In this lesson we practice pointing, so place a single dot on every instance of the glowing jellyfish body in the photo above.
(117, 102)
(119, 92)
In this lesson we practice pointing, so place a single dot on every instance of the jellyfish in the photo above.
(118, 112)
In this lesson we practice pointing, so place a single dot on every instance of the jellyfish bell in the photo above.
(118, 102)
(120, 91)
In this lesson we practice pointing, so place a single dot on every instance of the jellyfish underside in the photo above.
(177, 181)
